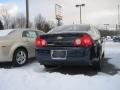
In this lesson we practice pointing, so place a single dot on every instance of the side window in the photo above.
(25, 33)
(29, 34)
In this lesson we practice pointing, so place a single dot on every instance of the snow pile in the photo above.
(34, 76)
(20, 79)
(112, 51)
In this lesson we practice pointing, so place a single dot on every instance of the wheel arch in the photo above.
(20, 47)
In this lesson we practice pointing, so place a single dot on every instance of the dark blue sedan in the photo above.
(70, 45)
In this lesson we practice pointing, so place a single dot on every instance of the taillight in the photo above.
(77, 42)
(41, 42)
(85, 40)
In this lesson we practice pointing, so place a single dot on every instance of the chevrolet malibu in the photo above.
(17, 45)
(70, 45)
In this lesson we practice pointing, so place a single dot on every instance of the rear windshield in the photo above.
(40, 33)
(5, 32)
(70, 28)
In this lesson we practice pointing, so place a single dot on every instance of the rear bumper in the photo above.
(75, 56)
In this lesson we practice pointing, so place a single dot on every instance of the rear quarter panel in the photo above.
(13, 44)
(17, 44)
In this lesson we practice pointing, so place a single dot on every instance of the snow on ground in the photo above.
(112, 51)
(35, 77)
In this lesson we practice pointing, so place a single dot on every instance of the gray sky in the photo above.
(12, 9)
(96, 12)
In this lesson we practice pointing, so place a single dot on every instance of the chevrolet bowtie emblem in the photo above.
(59, 37)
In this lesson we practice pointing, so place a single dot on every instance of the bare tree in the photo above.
(1, 25)
(5, 17)
(51, 24)
(48, 26)
(19, 21)
(31, 25)
(42, 24)
(39, 22)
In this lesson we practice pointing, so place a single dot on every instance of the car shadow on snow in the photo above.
(74, 70)
(107, 68)
(5, 65)
(8, 65)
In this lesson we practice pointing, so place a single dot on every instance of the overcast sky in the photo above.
(97, 12)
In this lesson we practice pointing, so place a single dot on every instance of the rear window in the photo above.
(29, 34)
(70, 28)
(5, 32)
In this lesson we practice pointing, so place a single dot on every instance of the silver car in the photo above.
(17, 45)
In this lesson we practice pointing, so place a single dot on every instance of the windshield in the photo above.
(70, 28)
(40, 33)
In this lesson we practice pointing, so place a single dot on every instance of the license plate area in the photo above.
(59, 54)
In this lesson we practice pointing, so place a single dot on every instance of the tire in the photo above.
(97, 65)
(20, 57)
(103, 55)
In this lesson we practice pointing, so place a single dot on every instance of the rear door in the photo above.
(30, 41)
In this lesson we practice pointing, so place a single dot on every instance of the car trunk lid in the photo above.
(63, 39)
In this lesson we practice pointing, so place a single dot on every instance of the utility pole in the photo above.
(27, 13)
(118, 17)
(116, 29)
(80, 5)
(80, 16)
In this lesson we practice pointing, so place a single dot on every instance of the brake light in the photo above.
(85, 40)
(41, 42)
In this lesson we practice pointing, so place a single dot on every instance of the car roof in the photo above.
(17, 32)
(21, 30)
